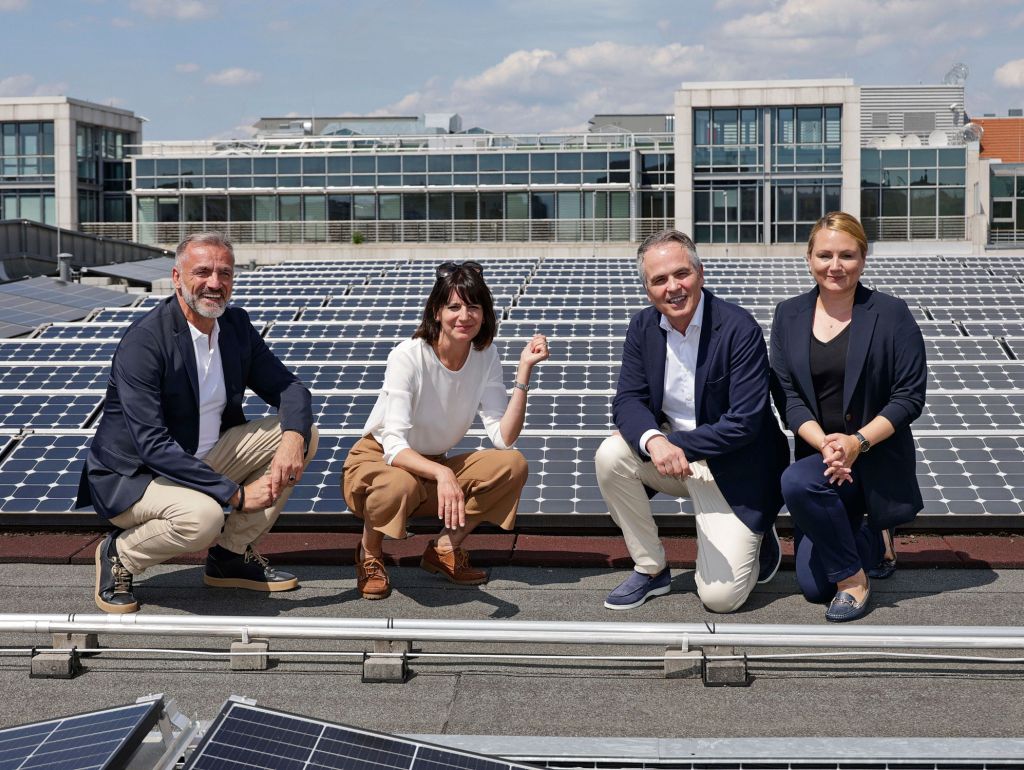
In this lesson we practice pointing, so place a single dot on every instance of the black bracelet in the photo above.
(241, 499)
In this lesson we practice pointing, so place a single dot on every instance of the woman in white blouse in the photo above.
(434, 386)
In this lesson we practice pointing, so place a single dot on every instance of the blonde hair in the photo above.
(844, 223)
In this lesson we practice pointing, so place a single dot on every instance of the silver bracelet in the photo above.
(520, 386)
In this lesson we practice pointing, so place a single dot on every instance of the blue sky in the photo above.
(208, 68)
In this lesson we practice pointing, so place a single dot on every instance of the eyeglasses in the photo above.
(447, 268)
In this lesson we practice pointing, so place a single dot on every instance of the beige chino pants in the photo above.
(727, 551)
(170, 519)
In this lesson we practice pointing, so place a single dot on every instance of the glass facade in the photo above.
(1006, 189)
(764, 173)
(914, 193)
(104, 174)
(558, 194)
(27, 171)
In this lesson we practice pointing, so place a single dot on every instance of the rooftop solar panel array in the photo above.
(94, 741)
(249, 736)
(334, 324)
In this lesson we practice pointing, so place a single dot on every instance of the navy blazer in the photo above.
(150, 423)
(886, 374)
(736, 432)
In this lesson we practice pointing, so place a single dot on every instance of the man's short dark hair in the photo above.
(666, 236)
(469, 285)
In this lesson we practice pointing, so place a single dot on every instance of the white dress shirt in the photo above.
(212, 393)
(429, 408)
(679, 400)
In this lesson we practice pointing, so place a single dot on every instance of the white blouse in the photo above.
(429, 408)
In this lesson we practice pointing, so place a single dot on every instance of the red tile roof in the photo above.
(1003, 138)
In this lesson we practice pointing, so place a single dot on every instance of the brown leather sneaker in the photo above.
(453, 565)
(371, 577)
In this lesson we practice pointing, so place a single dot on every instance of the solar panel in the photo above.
(68, 295)
(963, 349)
(40, 475)
(295, 351)
(144, 271)
(341, 330)
(94, 741)
(958, 411)
(995, 328)
(53, 377)
(83, 331)
(979, 313)
(1015, 344)
(57, 351)
(334, 411)
(392, 314)
(48, 410)
(14, 330)
(546, 314)
(1008, 375)
(248, 736)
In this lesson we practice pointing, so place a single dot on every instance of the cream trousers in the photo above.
(170, 519)
(727, 551)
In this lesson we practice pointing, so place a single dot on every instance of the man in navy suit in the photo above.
(693, 417)
(173, 449)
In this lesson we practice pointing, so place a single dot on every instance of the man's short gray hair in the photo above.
(212, 238)
(665, 236)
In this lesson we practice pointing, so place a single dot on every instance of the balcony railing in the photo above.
(395, 231)
(953, 228)
(1006, 237)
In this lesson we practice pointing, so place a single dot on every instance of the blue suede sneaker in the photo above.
(769, 557)
(638, 588)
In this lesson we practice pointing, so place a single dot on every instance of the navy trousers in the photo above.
(832, 538)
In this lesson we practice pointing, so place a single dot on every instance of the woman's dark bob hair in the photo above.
(469, 285)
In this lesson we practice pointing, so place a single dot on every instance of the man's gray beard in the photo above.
(192, 300)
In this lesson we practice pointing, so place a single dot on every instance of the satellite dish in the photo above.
(938, 138)
(972, 132)
(957, 75)
(892, 140)
(911, 140)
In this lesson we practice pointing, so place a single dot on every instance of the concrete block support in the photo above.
(724, 673)
(82, 641)
(394, 668)
(683, 663)
(255, 660)
(55, 665)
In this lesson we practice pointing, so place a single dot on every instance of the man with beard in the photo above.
(173, 448)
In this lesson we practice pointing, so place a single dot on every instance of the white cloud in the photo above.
(13, 5)
(234, 76)
(844, 28)
(186, 67)
(539, 90)
(180, 10)
(26, 85)
(1011, 74)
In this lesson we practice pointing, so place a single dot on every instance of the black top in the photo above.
(828, 372)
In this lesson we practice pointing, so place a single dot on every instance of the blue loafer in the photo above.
(844, 607)
(638, 588)
(769, 557)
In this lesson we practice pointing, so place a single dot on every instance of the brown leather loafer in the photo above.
(453, 565)
(371, 577)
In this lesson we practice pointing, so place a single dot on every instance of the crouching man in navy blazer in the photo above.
(173, 449)
(693, 418)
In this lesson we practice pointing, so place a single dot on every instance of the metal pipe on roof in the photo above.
(536, 632)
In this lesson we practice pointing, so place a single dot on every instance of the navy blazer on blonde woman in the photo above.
(885, 375)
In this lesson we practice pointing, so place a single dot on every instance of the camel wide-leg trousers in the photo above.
(386, 497)
(727, 550)
(170, 519)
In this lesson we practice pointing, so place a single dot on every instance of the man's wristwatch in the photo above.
(520, 386)
(241, 498)
(865, 445)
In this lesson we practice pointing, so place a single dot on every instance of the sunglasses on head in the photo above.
(447, 268)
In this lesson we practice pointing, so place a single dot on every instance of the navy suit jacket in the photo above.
(886, 374)
(150, 423)
(736, 432)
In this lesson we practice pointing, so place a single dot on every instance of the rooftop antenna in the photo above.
(957, 75)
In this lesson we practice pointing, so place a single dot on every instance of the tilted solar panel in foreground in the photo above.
(100, 740)
(248, 736)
